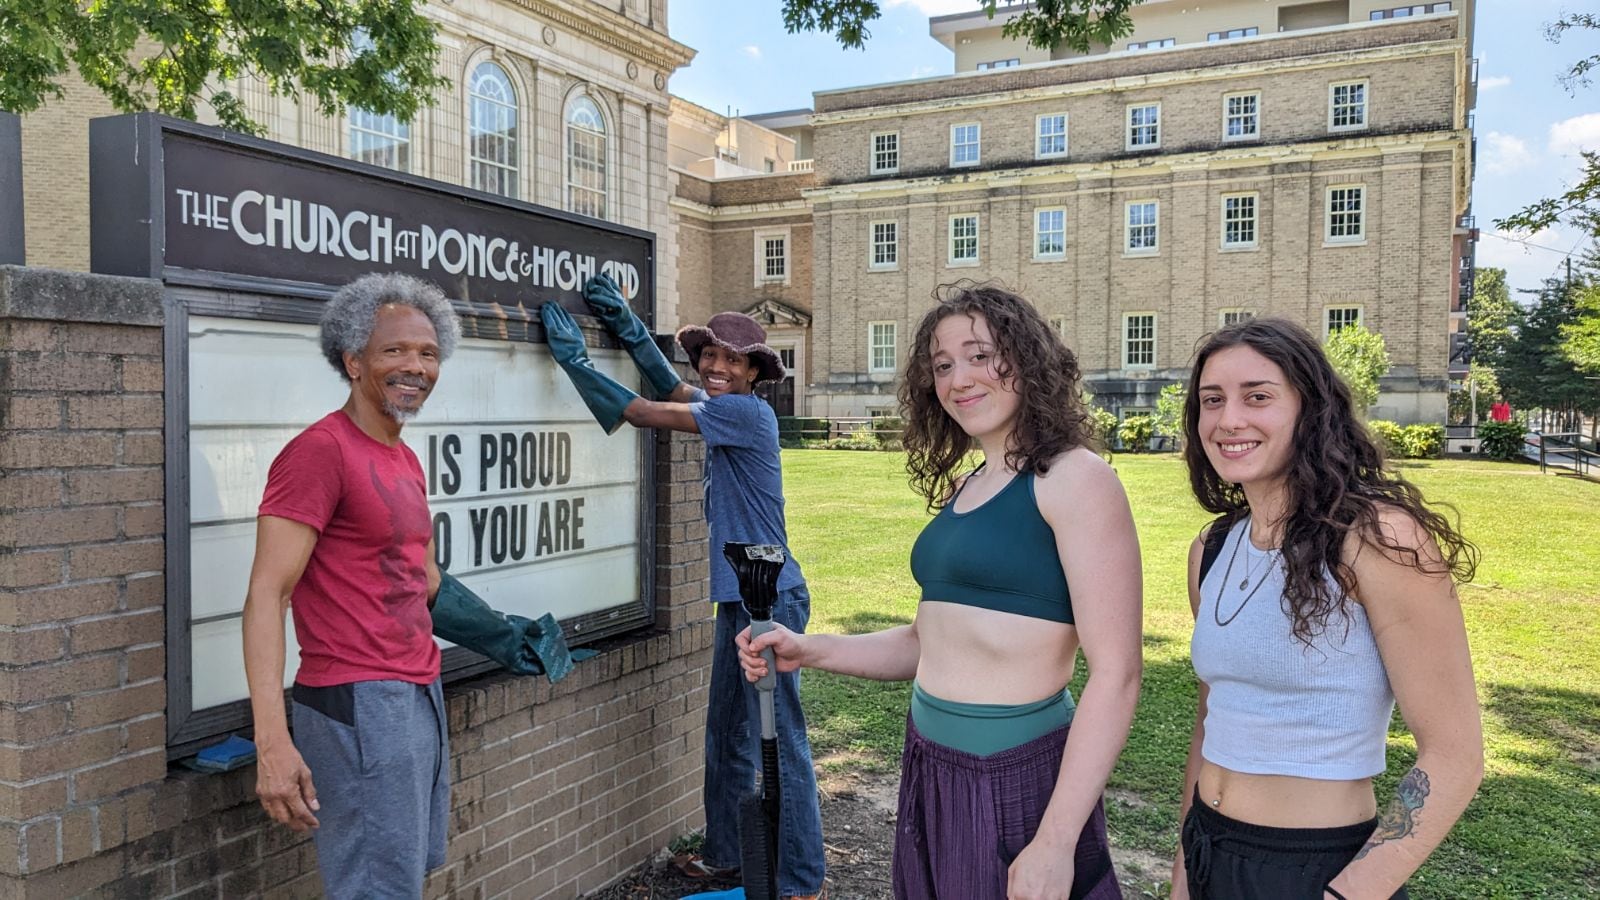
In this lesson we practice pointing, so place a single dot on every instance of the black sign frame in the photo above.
(129, 228)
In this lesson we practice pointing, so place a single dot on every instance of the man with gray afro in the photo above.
(344, 540)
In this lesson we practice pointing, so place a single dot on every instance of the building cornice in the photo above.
(1377, 146)
(740, 212)
(1189, 75)
(617, 32)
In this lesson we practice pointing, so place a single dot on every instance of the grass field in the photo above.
(1533, 614)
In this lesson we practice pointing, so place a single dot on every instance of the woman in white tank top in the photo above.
(1328, 595)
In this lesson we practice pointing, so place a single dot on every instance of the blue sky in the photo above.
(1529, 128)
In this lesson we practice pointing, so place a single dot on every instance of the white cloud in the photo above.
(1504, 153)
(751, 50)
(1569, 136)
(1518, 253)
(937, 7)
(1493, 81)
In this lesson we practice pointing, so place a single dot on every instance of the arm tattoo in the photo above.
(1401, 818)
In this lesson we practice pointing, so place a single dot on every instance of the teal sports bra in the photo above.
(1000, 556)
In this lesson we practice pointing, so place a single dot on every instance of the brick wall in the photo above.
(557, 789)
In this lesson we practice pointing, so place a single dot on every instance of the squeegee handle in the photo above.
(767, 683)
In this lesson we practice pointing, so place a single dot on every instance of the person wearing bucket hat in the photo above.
(743, 502)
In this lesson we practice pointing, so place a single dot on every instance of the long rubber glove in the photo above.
(524, 646)
(605, 398)
(605, 300)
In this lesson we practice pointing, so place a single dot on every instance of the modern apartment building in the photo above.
(1304, 160)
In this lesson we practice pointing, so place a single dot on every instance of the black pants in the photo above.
(1227, 859)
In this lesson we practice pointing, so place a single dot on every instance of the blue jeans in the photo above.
(733, 754)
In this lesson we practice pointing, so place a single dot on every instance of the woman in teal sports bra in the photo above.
(1029, 558)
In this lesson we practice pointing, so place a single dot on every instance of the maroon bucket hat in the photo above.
(739, 333)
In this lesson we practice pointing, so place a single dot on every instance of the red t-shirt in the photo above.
(361, 607)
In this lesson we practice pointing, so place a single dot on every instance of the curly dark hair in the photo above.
(1051, 417)
(1337, 480)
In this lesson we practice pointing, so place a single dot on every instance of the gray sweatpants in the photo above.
(379, 756)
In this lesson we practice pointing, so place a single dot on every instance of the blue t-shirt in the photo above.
(743, 483)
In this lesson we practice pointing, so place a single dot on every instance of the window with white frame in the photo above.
(1232, 34)
(1139, 340)
(886, 153)
(1144, 126)
(1141, 233)
(492, 130)
(964, 239)
(379, 140)
(999, 64)
(1234, 316)
(1337, 317)
(1049, 232)
(1241, 116)
(885, 245)
(1050, 136)
(1238, 221)
(1346, 214)
(1153, 45)
(880, 346)
(964, 144)
(772, 257)
(586, 157)
(768, 166)
(1058, 324)
(1347, 106)
(1407, 11)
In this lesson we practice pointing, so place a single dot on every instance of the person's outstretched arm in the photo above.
(888, 655)
(605, 300)
(609, 401)
(1422, 639)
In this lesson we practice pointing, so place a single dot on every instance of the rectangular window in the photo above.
(880, 346)
(1241, 117)
(1142, 234)
(1144, 126)
(964, 141)
(1058, 324)
(885, 245)
(1338, 317)
(1153, 45)
(886, 153)
(1050, 133)
(1234, 316)
(999, 64)
(1139, 341)
(1232, 34)
(1403, 12)
(964, 240)
(769, 166)
(1346, 214)
(1347, 106)
(1049, 233)
(1238, 221)
(772, 257)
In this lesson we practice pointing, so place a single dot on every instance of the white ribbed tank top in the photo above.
(1276, 706)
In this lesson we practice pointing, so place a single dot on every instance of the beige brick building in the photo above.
(1310, 161)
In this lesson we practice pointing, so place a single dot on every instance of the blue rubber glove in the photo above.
(605, 300)
(605, 398)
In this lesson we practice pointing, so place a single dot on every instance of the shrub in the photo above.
(1169, 412)
(1501, 440)
(888, 429)
(1423, 441)
(1391, 436)
(797, 428)
(1136, 431)
(861, 440)
(1105, 425)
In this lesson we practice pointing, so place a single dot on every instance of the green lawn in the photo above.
(1533, 614)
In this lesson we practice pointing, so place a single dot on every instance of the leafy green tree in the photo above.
(1078, 24)
(1136, 431)
(1537, 373)
(1490, 315)
(171, 56)
(1361, 358)
(1169, 412)
(1580, 338)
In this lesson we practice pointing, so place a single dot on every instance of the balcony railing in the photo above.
(801, 165)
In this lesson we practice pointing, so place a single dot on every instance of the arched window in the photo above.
(382, 140)
(492, 130)
(586, 158)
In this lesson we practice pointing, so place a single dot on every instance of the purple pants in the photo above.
(964, 819)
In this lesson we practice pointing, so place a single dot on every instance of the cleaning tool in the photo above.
(757, 566)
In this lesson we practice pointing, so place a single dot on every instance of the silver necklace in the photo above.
(1227, 576)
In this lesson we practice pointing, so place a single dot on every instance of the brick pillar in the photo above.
(81, 619)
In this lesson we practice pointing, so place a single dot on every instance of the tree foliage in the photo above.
(1580, 338)
(1536, 372)
(1361, 358)
(1169, 411)
(1047, 24)
(1490, 315)
(172, 56)
(1579, 205)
